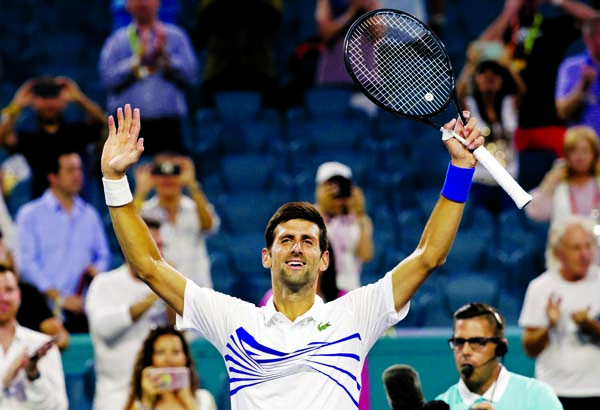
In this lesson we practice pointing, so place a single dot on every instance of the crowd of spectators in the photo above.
(537, 99)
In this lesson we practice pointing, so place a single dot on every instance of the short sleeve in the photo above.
(533, 313)
(210, 314)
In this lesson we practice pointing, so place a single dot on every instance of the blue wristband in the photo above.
(457, 183)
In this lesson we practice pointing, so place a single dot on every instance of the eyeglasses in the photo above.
(476, 343)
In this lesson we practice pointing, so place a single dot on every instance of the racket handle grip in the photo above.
(502, 177)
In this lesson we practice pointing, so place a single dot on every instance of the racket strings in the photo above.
(400, 64)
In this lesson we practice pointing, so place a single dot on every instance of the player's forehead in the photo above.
(478, 326)
(297, 228)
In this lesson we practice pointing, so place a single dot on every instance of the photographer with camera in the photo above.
(48, 97)
(186, 220)
(349, 228)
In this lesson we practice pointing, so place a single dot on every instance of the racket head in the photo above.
(400, 64)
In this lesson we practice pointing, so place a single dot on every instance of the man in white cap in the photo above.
(350, 230)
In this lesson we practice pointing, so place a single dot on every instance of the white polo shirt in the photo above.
(314, 362)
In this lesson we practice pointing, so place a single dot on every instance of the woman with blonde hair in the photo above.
(572, 185)
(165, 377)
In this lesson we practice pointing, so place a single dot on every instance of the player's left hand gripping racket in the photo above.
(401, 65)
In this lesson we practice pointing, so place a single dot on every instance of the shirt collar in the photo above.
(52, 202)
(497, 389)
(271, 313)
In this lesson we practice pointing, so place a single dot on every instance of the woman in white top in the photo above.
(572, 185)
(165, 376)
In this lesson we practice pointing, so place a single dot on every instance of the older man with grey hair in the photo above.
(561, 315)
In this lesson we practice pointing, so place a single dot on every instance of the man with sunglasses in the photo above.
(485, 384)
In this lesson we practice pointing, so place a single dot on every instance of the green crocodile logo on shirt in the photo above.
(322, 326)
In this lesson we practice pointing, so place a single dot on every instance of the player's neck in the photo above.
(293, 305)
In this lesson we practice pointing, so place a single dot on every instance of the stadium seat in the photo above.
(430, 304)
(247, 172)
(328, 102)
(234, 106)
(222, 274)
(410, 228)
(462, 287)
(247, 211)
(252, 280)
(469, 251)
(19, 195)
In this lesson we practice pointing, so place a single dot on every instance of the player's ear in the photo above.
(266, 258)
(324, 263)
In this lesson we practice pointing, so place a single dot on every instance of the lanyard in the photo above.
(531, 36)
(532, 33)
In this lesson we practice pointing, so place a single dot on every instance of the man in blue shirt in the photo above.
(578, 85)
(150, 64)
(61, 242)
(478, 342)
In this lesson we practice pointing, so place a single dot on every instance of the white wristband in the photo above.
(117, 192)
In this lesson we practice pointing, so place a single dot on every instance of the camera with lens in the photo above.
(166, 168)
(46, 87)
(344, 186)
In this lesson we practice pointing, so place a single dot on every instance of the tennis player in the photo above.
(296, 352)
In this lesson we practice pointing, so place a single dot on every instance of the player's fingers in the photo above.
(475, 142)
(473, 137)
(120, 121)
(136, 123)
(127, 119)
(140, 146)
(111, 126)
(450, 125)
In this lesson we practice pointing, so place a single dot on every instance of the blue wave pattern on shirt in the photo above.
(251, 363)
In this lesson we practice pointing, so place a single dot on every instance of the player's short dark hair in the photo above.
(296, 210)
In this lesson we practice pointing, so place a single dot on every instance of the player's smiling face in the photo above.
(295, 258)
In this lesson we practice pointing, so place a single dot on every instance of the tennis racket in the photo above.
(401, 65)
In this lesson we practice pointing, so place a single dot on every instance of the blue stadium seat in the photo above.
(462, 287)
(431, 305)
(430, 166)
(247, 172)
(234, 106)
(19, 196)
(391, 126)
(410, 228)
(383, 243)
(510, 307)
(245, 212)
(469, 251)
(328, 102)
(252, 280)
(517, 232)
(253, 135)
(222, 274)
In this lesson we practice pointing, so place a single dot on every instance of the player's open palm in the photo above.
(122, 148)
